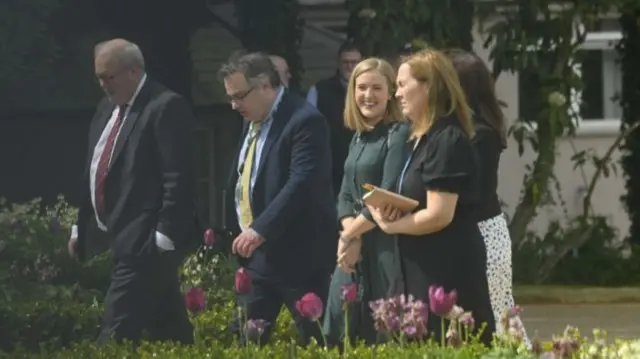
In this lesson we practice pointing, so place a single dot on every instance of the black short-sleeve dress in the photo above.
(454, 257)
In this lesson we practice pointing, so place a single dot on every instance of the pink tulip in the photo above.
(349, 293)
(467, 320)
(194, 300)
(310, 306)
(441, 302)
(243, 281)
(514, 311)
(209, 237)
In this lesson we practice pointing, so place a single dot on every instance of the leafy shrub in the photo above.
(618, 350)
(276, 350)
(48, 324)
(33, 252)
(599, 261)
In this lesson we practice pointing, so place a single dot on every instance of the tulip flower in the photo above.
(209, 237)
(349, 293)
(194, 300)
(243, 281)
(254, 328)
(310, 306)
(440, 302)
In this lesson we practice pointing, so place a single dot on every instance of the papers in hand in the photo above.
(379, 197)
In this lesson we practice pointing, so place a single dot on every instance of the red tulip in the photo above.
(243, 281)
(209, 237)
(194, 300)
(513, 311)
(349, 293)
(441, 302)
(310, 306)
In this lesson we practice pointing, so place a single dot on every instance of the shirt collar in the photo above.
(276, 103)
(135, 94)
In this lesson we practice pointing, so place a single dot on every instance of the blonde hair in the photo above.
(353, 118)
(444, 92)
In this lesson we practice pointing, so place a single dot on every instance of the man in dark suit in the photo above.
(280, 196)
(138, 189)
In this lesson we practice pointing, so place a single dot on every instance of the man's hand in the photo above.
(246, 243)
(72, 247)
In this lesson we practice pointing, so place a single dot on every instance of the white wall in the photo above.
(606, 199)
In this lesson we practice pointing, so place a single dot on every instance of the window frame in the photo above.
(600, 41)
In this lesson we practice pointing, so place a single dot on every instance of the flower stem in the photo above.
(347, 337)
(324, 339)
(443, 334)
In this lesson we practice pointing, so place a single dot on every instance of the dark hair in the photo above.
(348, 46)
(479, 87)
(253, 66)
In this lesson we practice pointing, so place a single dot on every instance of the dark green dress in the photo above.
(376, 157)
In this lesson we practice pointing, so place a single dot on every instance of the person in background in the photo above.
(283, 69)
(490, 140)
(440, 243)
(367, 256)
(138, 188)
(279, 196)
(328, 96)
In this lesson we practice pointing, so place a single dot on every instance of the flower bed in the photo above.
(50, 305)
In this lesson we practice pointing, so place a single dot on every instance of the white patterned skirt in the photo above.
(499, 272)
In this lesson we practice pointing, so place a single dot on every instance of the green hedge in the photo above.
(46, 325)
(50, 325)
(281, 350)
(274, 351)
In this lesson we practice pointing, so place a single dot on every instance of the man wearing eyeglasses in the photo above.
(280, 199)
(138, 189)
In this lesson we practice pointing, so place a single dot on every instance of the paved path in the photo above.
(619, 320)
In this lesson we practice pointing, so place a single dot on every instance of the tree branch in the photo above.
(580, 237)
(586, 202)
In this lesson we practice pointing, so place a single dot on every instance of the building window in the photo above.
(596, 107)
(601, 78)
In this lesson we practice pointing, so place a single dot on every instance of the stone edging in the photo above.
(531, 294)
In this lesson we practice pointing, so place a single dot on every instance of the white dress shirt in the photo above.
(162, 241)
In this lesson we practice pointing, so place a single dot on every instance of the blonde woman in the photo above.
(440, 243)
(367, 256)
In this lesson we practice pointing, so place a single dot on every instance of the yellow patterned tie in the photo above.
(246, 215)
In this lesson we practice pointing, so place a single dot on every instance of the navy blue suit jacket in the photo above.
(293, 203)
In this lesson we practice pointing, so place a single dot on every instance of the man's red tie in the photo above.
(105, 158)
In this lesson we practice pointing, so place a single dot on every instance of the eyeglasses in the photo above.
(239, 98)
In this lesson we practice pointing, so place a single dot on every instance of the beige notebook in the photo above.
(379, 197)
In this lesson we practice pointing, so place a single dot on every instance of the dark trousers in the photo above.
(145, 296)
(266, 299)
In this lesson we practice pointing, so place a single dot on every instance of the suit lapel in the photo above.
(99, 122)
(233, 175)
(130, 121)
(280, 119)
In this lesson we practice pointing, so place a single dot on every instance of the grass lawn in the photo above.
(543, 294)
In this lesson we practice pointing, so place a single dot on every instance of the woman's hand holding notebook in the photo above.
(379, 197)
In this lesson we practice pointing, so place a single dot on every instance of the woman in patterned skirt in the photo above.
(490, 140)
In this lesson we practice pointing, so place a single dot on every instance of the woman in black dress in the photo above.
(440, 243)
(490, 140)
